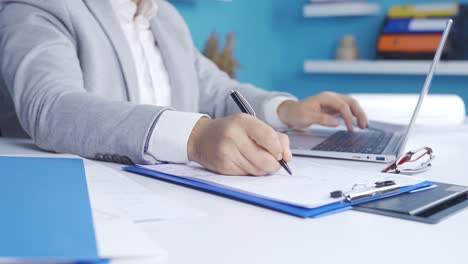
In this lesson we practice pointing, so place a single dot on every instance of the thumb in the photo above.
(325, 120)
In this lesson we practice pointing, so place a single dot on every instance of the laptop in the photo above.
(381, 142)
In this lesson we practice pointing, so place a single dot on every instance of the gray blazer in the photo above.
(68, 78)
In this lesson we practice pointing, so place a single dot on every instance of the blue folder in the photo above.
(46, 212)
(266, 203)
(402, 26)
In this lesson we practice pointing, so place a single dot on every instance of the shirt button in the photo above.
(117, 158)
(126, 160)
(108, 157)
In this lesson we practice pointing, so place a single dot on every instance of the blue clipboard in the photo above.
(266, 203)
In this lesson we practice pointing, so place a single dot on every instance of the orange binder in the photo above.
(409, 43)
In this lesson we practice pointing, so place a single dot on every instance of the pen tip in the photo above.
(285, 165)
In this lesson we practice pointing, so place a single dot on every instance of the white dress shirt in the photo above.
(169, 138)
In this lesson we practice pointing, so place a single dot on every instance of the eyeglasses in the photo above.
(412, 162)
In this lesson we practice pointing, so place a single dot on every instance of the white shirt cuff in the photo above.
(271, 112)
(169, 139)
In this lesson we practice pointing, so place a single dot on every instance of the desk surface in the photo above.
(234, 232)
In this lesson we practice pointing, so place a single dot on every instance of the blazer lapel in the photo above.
(180, 67)
(102, 11)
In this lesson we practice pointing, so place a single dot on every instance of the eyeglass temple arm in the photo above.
(406, 157)
(427, 152)
(391, 167)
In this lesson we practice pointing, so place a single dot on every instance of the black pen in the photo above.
(245, 107)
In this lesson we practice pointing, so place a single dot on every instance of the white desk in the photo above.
(234, 232)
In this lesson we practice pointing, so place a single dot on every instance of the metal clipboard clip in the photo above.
(362, 192)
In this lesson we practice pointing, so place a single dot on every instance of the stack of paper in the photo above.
(50, 217)
(132, 199)
(119, 239)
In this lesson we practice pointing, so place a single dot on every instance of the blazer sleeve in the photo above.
(41, 70)
(215, 86)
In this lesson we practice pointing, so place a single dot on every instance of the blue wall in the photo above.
(274, 39)
(252, 24)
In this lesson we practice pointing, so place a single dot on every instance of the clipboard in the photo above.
(282, 207)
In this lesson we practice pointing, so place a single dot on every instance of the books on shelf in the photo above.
(412, 32)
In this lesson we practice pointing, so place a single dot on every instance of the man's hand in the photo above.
(322, 109)
(237, 145)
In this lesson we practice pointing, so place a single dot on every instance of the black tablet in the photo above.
(429, 206)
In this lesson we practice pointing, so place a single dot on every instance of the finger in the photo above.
(357, 111)
(334, 101)
(265, 136)
(224, 168)
(324, 119)
(284, 140)
(232, 169)
(261, 159)
(245, 163)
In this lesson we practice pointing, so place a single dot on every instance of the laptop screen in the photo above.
(428, 81)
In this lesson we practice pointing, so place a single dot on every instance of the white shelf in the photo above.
(395, 67)
(341, 9)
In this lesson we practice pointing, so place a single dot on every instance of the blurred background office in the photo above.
(292, 45)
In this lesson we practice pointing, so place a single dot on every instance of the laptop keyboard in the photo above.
(368, 142)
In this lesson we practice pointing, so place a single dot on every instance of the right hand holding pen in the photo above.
(238, 145)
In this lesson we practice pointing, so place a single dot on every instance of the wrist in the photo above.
(195, 135)
(283, 111)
